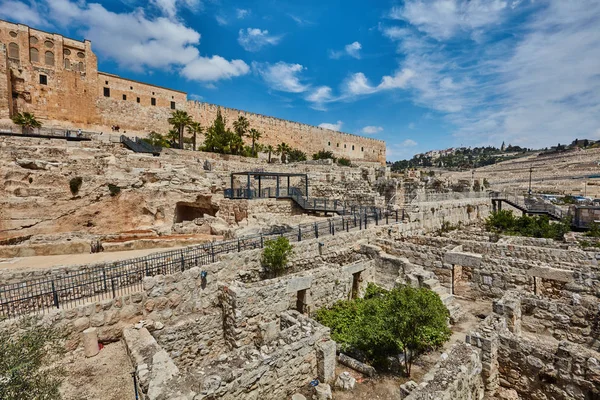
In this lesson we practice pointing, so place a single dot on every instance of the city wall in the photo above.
(57, 79)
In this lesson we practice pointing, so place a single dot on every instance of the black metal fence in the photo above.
(107, 281)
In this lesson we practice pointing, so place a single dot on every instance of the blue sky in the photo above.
(419, 74)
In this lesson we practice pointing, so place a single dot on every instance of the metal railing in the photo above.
(107, 281)
(139, 145)
(529, 204)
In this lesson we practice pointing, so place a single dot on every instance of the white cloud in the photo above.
(334, 127)
(214, 68)
(442, 19)
(253, 39)
(282, 76)
(371, 130)
(169, 8)
(196, 97)
(536, 88)
(352, 50)
(144, 43)
(241, 13)
(21, 12)
(408, 143)
(411, 125)
(358, 84)
(300, 21)
(221, 20)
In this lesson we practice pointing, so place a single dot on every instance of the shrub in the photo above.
(505, 222)
(295, 155)
(26, 357)
(382, 324)
(323, 155)
(594, 230)
(114, 189)
(75, 185)
(275, 255)
(344, 162)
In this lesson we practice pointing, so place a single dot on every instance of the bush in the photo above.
(594, 230)
(295, 155)
(323, 155)
(275, 255)
(505, 222)
(344, 162)
(75, 185)
(27, 353)
(113, 189)
(382, 324)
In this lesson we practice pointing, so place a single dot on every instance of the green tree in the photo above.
(254, 135)
(240, 127)
(218, 137)
(269, 150)
(322, 155)
(27, 353)
(418, 320)
(275, 255)
(195, 129)
(26, 121)
(180, 120)
(283, 149)
(295, 155)
(156, 139)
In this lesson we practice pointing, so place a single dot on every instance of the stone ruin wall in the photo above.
(74, 98)
(534, 366)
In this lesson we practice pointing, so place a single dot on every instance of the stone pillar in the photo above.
(90, 342)
(326, 361)
(488, 343)
(509, 307)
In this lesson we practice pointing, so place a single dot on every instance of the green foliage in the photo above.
(386, 323)
(156, 139)
(75, 184)
(269, 150)
(254, 136)
(283, 149)
(594, 230)
(220, 139)
(295, 155)
(114, 189)
(26, 121)
(344, 162)
(180, 120)
(275, 255)
(195, 129)
(323, 155)
(26, 357)
(486, 184)
(505, 222)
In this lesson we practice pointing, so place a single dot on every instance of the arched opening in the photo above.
(34, 54)
(13, 50)
(49, 56)
(67, 63)
(81, 67)
(190, 211)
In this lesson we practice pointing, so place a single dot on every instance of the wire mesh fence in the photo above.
(107, 281)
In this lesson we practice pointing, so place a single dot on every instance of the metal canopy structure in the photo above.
(248, 193)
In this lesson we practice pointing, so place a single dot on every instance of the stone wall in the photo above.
(247, 307)
(309, 139)
(5, 86)
(456, 376)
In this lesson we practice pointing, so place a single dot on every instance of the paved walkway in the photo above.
(40, 262)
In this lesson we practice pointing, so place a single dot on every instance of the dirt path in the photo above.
(106, 376)
(41, 262)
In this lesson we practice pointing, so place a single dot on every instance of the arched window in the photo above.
(33, 40)
(67, 52)
(81, 67)
(80, 54)
(49, 44)
(49, 58)
(67, 63)
(34, 55)
(13, 50)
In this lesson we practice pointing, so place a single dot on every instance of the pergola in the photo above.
(260, 175)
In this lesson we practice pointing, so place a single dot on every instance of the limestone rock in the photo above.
(323, 392)
(345, 381)
(298, 396)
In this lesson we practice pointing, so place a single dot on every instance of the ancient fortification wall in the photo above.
(57, 79)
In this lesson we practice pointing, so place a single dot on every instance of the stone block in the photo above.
(90, 342)
(301, 283)
(323, 392)
(326, 361)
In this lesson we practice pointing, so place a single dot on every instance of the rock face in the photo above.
(124, 196)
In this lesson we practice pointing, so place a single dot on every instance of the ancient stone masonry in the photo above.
(57, 79)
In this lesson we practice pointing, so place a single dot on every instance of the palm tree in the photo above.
(195, 129)
(241, 128)
(254, 135)
(27, 121)
(283, 149)
(180, 119)
(269, 149)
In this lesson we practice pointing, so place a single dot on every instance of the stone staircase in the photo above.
(421, 278)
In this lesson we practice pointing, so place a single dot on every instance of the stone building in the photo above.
(57, 79)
